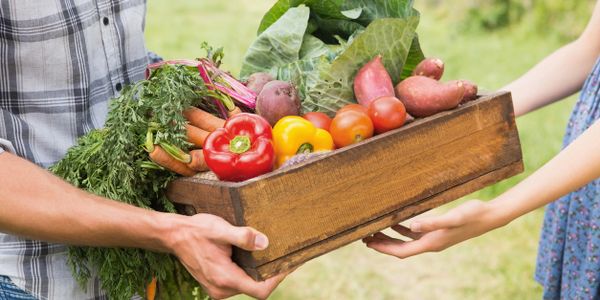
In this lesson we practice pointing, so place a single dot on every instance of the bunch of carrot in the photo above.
(201, 124)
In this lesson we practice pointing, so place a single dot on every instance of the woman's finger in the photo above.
(406, 232)
(379, 236)
(400, 248)
(445, 221)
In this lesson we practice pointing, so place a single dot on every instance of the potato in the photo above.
(373, 81)
(430, 67)
(424, 96)
(256, 82)
(471, 91)
(277, 100)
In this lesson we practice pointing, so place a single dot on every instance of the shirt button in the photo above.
(105, 21)
(118, 87)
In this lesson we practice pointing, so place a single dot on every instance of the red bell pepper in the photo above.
(242, 149)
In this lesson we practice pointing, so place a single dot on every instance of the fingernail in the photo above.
(261, 242)
(415, 227)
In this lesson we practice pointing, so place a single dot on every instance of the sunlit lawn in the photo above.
(499, 265)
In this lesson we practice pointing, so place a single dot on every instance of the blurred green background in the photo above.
(491, 42)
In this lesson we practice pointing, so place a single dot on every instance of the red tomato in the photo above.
(319, 119)
(387, 113)
(351, 127)
(353, 107)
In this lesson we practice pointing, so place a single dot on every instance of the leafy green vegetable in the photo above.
(339, 37)
(278, 45)
(111, 162)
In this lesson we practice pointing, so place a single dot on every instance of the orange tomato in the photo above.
(353, 107)
(350, 127)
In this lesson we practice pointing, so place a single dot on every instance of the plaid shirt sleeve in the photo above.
(60, 63)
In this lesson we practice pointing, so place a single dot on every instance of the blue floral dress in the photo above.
(568, 264)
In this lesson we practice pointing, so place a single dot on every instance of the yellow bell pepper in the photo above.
(295, 135)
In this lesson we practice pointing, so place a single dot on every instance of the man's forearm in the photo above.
(36, 204)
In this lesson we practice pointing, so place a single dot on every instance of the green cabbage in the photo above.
(321, 45)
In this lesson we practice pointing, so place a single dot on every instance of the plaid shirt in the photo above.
(60, 62)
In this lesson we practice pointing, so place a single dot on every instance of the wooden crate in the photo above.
(318, 206)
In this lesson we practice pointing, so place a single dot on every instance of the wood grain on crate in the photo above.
(318, 206)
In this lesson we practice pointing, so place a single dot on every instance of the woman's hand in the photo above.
(433, 234)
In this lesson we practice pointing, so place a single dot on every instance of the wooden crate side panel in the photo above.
(327, 197)
(205, 197)
(295, 259)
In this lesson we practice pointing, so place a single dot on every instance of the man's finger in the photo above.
(259, 290)
(246, 238)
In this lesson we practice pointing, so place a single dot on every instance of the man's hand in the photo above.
(203, 244)
(434, 234)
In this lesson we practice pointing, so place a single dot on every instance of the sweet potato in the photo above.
(257, 81)
(424, 96)
(430, 67)
(373, 81)
(471, 91)
(277, 100)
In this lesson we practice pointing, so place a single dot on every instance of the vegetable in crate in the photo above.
(242, 149)
(112, 162)
(321, 45)
(294, 135)
(351, 126)
(430, 67)
(319, 119)
(257, 81)
(471, 91)
(354, 107)
(424, 96)
(277, 100)
(372, 82)
(387, 113)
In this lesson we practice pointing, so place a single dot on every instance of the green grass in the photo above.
(499, 265)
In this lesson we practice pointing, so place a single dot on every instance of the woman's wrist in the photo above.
(502, 211)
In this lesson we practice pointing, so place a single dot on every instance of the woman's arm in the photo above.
(559, 75)
(39, 205)
(574, 167)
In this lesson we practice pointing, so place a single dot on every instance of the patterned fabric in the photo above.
(60, 62)
(9, 291)
(568, 264)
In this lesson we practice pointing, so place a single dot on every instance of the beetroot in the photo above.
(257, 81)
(277, 100)
(372, 82)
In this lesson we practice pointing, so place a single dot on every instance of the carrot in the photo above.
(159, 156)
(202, 119)
(234, 112)
(151, 289)
(196, 135)
(198, 163)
